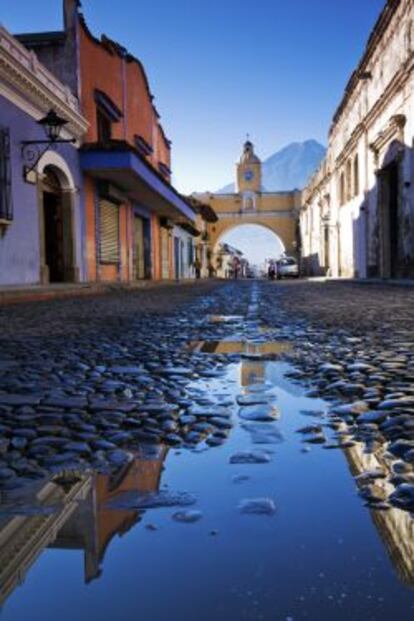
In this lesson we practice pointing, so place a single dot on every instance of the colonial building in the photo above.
(131, 208)
(357, 216)
(250, 204)
(41, 201)
(225, 258)
(203, 251)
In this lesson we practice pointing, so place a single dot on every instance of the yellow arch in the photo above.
(283, 227)
(236, 225)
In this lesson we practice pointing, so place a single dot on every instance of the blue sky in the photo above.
(221, 68)
(256, 242)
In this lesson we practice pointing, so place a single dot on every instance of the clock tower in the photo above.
(249, 171)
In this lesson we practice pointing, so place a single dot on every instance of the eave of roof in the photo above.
(123, 146)
(380, 27)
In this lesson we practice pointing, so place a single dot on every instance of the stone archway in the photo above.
(241, 225)
(276, 211)
(283, 228)
(257, 243)
(57, 226)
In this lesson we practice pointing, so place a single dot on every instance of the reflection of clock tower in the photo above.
(249, 170)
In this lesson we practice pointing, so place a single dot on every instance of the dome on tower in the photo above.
(249, 156)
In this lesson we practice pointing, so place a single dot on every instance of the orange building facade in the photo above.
(130, 207)
(117, 101)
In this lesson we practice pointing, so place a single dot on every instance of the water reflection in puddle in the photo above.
(275, 535)
(245, 347)
(225, 318)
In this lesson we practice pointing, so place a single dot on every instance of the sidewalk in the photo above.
(384, 282)
(15, 294)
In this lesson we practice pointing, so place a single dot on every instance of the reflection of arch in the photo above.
(56, 208)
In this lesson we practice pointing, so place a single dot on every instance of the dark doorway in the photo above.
(139, 248)
(177, 257)
(390, 220)
(147, 249)
(326, 250)
(53, 227)
(393, 219)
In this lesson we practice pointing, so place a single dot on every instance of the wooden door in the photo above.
(139, 248)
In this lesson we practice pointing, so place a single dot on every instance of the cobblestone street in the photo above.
(211, 405)
(70, 358)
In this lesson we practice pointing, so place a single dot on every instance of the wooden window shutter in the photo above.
(109, 231)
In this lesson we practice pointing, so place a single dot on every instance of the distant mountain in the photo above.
(290, 168)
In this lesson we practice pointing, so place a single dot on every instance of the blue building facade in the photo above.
(41, 204)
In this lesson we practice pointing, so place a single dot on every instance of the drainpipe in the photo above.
(127, 205)
(366, 210)
(124, 96)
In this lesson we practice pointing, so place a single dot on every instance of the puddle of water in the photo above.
(225, 318)
(247, 348)
(281, 537)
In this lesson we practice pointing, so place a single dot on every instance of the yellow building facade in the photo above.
(250, 204)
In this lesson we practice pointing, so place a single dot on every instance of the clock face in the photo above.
(249, 175)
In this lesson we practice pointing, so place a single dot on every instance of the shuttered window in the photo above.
(6, 206)
(109, 231)
(165, 263)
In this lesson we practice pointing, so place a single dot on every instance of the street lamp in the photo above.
(52, 124)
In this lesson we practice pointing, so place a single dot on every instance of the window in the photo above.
(6, 206)
(356, 175)
(103, 126)
(190, 252)
(108, 232)
(342, 189)
(107, 113)
(348, 181)
(249, 201)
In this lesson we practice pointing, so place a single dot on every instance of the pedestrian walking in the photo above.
(197, 268)
(236, 267)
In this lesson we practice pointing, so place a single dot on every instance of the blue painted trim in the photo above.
(141, 210)
(124, 160)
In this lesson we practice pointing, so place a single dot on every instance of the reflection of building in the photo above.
(142, 476)
(75, 517)
(395, 527)
(251, 204)
(358, 209)
(252, 372)
(24, 537)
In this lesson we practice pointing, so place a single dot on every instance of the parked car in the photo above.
(287, 267)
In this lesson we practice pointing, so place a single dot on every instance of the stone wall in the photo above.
(348, 226)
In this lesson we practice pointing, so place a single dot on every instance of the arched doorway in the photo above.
(57, 240)
(53, 226)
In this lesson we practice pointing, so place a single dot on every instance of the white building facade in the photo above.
(357, 215)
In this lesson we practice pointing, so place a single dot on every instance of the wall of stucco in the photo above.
(19, 246)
